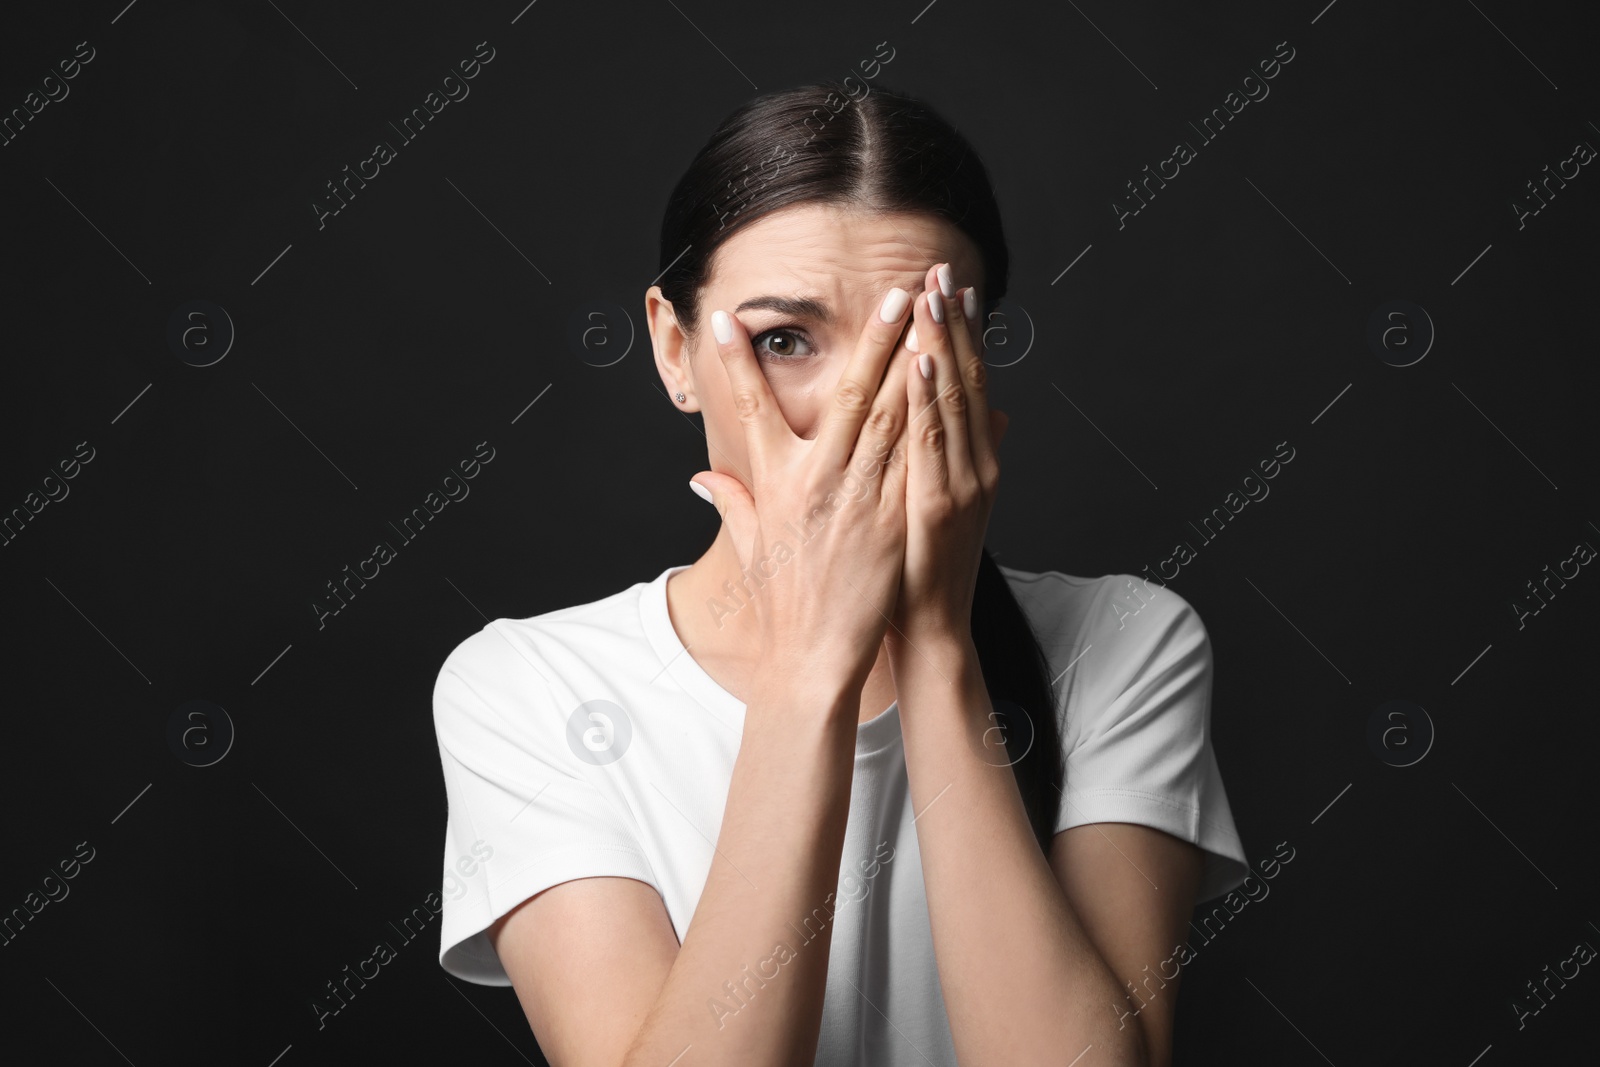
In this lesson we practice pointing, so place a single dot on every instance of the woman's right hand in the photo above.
(821, 530)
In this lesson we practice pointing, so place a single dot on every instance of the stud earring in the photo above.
(680, 398)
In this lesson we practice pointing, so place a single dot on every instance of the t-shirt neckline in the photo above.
(875, 734)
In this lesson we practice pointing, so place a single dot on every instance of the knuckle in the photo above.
(851, 397)
(954, 398)
(977, 374)
(882, 421)
(931, 436)
(941, 509)
(747, 402)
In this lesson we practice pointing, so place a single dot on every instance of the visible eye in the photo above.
(784, 349)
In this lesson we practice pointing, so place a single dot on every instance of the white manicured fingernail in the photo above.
(969, 303)
(702, 492)
(946, 285)
(893, 304)
(925, 365)
(911, 339)
(936, 307)
(722, 326)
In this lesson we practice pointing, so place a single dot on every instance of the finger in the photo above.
(736, 506)
(884, 429)
(961, 310)
(765, 430)
(860, 383)
(935, 339)
(896, 461)
(926, 470)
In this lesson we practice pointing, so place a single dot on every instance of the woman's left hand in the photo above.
(953, 470)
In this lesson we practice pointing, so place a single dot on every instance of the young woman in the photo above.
(843, 790)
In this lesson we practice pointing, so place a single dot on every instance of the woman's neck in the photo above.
(711, 603)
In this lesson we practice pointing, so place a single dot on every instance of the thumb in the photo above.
(736, 506)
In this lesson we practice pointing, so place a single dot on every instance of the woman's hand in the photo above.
(953, 468)
(821, 529)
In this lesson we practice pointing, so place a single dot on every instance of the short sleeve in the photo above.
(1138, 734)
(522, 815)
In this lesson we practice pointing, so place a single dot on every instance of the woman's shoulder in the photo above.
(1105, 599)
(593, 631)
(1112, 640)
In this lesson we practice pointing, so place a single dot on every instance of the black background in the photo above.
(374, 353)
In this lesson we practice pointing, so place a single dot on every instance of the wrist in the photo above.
(931, 645)
(821, 683)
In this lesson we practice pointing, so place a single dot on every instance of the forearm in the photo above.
(733, 993)
(1022, 982)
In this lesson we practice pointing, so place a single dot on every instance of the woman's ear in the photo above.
(671, 349)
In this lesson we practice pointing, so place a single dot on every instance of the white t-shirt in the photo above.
(587, 742)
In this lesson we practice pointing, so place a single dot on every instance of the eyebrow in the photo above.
(803, 307)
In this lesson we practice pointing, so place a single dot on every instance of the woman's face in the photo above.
(802, 281)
